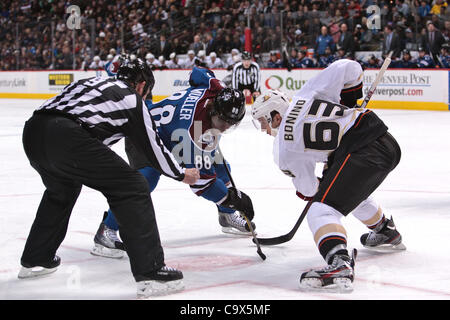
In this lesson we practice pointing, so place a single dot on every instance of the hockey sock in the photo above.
(377, 224)
(332, 245)
(110, 221)
(329, 234)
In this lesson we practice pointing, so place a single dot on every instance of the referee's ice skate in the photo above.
(38, 269)
(164, 281)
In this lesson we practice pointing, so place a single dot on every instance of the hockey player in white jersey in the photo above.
(323, 124)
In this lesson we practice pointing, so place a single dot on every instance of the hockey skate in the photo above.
(165, 281)
(384, 238)
(31, 271)
(336, 277)
(107, 244)
(233, 223)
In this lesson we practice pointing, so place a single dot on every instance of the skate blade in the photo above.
(102, 251)
(340, 285)
(384, 248)
(152, 288)
(231, 230)
(30, 273)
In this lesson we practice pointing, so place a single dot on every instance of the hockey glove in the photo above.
(239, 201)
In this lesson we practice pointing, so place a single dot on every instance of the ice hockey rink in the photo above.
(218, 266)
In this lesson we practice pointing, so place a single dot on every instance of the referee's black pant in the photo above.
(67, 157)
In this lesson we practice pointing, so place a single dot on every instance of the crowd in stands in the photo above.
(291, 34)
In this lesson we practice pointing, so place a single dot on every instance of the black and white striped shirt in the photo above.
(246, 77)
(109, 109)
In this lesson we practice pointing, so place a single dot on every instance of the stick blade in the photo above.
(273, 241)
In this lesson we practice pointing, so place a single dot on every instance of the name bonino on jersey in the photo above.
(291, 118)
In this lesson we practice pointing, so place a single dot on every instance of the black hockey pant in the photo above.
(67, 157)
(353, 177)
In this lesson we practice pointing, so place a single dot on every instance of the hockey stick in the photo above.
(255, 240)
(374, 85)
(288, 236)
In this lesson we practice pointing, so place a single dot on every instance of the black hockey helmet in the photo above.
(136, 71)
(229, 106)
(246, 55)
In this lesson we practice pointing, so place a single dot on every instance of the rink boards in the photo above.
(412, 89)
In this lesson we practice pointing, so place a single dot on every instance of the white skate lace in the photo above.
(166, 268)
(237, 220)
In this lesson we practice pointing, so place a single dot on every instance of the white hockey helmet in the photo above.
(264, 105)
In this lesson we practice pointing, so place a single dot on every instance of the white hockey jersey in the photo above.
(314, 124)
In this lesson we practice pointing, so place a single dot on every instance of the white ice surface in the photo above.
(217, 266)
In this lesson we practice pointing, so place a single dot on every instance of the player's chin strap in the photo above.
(255, 240)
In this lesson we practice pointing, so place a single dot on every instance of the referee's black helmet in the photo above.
(136, 71)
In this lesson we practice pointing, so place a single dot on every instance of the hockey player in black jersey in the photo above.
(66, 141)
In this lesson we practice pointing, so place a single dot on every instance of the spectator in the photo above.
(446, 32)
(323, 41)
(304, 61)
(137, 28)
(201, 56)
(340, 53)
(164, 47)
(197, 45)
(405, 61)
(424, 9)
(438, 4)
(173, 62)
(445, 56)
(424, 60)
(299, 39)
(189, 62)
(162, 62)
(409, 42)
(433, 41)
(213, 62)
(372, 63)
(346, 41)
(234, 58)
(152, 62)
(97, 64)
(326, 59)
(293, 58)
(402, 7)
(210, 44)
(391, 42)
(274, 62)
